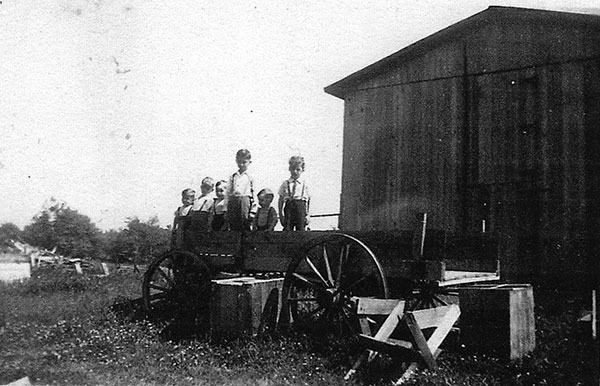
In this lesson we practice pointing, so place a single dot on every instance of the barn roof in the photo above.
(463, 27)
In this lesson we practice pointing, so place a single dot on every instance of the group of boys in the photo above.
(232, 205)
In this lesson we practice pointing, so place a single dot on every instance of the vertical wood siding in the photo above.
(511, 143)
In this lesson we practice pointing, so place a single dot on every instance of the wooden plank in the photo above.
(365, 327)
(410, 269)
(443, 328)
(370, 306)
(420, 341)
(273, 251)
(216, 243)
(462, 277)
(389, 346)
(594, 314)
(412, 368)
(384, 332)
(432, 317)
(390, 323)
(473, 264)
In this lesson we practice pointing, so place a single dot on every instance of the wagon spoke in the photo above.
(160, 295)
(314, 268)
(323, 316)
(328, 266)
(347, 288)
(316, 310)
(173, 288)
(302, 299)
(343, 257)
(163, 274)
(347, 318)
(164, 289)
(305, 280)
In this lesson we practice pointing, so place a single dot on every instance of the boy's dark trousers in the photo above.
(238, 211)
(295, 215)
(218, 223)
(199, 221)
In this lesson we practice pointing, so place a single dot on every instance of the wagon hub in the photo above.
(331, 297)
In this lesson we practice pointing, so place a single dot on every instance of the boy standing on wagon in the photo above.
(219, 210)
(202, 208)
(294, 197)
(181, 221)
(240, 200)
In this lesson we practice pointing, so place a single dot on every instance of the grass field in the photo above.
(60, 330)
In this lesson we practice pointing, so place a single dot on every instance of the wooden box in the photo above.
(498, 319)
(244, 306)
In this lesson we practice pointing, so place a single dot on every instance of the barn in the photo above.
(490, 125)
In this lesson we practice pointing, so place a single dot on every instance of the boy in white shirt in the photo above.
(240, 198)
(219, 210)
(202, 208)
(294, 197)
(182, 218)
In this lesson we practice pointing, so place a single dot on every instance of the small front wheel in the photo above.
(176, 283)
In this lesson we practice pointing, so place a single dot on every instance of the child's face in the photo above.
(265, 200)
(243, 164)
(220, 191)
(188, 199)
(296, 171)
(205, 189)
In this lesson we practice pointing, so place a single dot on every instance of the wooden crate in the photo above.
(243, 306)
(498, 319)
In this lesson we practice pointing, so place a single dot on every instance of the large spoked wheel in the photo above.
(176, 285)
(322, 279)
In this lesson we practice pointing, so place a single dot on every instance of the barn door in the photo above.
(503, 165)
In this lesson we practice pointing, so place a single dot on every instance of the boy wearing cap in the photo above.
(266, 216)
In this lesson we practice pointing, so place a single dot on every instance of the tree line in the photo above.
(75, 236)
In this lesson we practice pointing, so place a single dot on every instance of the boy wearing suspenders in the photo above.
(240, 201)
(294, 198)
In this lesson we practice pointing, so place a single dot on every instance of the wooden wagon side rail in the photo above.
(447, 258)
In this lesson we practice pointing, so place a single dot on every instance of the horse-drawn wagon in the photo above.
(323, 271)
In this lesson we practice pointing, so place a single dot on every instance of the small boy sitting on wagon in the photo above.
(266, 216)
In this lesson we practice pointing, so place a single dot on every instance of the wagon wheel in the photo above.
(175, 285)
(321, 280)
(426, 294)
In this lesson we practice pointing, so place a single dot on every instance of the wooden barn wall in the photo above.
(529, 180)
(401, 148)
(532, 176)
(592, 166)
(512, 146)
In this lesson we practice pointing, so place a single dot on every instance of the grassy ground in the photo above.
(60, 330)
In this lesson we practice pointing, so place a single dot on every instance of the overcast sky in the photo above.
(117, 106)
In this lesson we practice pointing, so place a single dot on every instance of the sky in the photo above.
(115, 107)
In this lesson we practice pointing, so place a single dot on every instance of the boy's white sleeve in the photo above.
(307, 192)
(282, 189)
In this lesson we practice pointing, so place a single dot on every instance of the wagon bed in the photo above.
(448, 258)
(323, 270)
